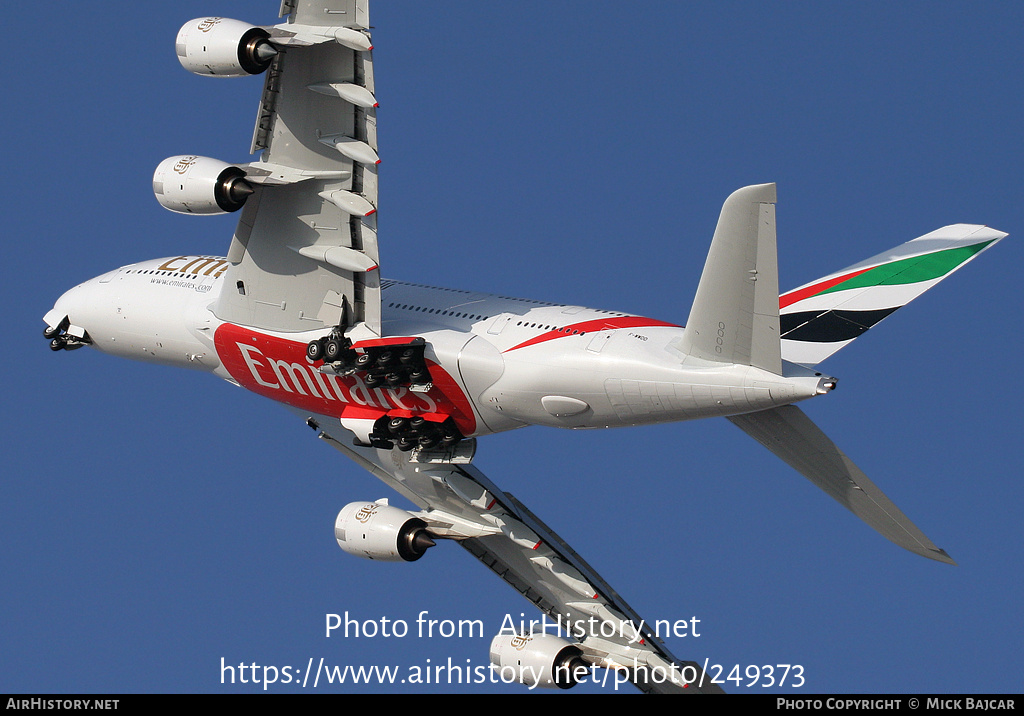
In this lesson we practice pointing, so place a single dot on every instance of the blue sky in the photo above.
(156, 521)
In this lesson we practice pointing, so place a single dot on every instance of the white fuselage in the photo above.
(497, 363)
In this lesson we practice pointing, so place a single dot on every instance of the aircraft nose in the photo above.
(62, 329)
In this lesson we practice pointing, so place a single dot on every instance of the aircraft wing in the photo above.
(461, 503)
(304, 254)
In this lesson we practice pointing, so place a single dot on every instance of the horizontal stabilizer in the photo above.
(825, 315)
(792, 436)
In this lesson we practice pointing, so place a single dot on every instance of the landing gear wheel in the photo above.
(429, 440)
(419, 375)
(397, 425)
(58, 344)
(332, 350)
(315, 350)
(363, 360)
(49, 333)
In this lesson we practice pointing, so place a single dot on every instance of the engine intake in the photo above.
(543, 660)
(375, 530)
(199, 185)
(221, 47)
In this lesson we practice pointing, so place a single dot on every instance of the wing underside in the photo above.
(304, 255)
(460, 502)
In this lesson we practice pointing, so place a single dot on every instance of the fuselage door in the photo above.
(499, 323)
(597, 343)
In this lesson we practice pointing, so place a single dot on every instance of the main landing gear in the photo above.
(417, 431)
(331, 349)
(391, 363)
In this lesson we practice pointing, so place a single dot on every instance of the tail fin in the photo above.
(735, 317)
(825, 315)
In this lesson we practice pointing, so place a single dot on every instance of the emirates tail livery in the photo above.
(403, 378)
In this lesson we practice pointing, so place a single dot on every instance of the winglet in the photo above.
(735, 314)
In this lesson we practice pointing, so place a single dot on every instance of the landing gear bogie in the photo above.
(415, 432)
(396, 365)
(335, 349)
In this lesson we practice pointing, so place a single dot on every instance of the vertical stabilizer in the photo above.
(827, 314)
(735, 314)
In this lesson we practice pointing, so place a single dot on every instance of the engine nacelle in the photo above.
(542, 659)
(221, 47)
(200, 185)
(375, 530)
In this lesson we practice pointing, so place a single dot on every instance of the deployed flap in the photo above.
(791, 435)
(735, 314)
(308, 234)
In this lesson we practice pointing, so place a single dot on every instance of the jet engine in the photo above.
(543, 660)
(375, 530)
(200, 185)
(221, 47)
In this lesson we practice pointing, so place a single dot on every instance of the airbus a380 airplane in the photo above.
(403, 378)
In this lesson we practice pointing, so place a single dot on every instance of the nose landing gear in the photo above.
(61, 340)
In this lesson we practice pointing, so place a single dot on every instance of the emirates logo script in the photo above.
(209, 23)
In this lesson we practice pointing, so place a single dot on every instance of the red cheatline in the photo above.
(794, 296)
(599, 324)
